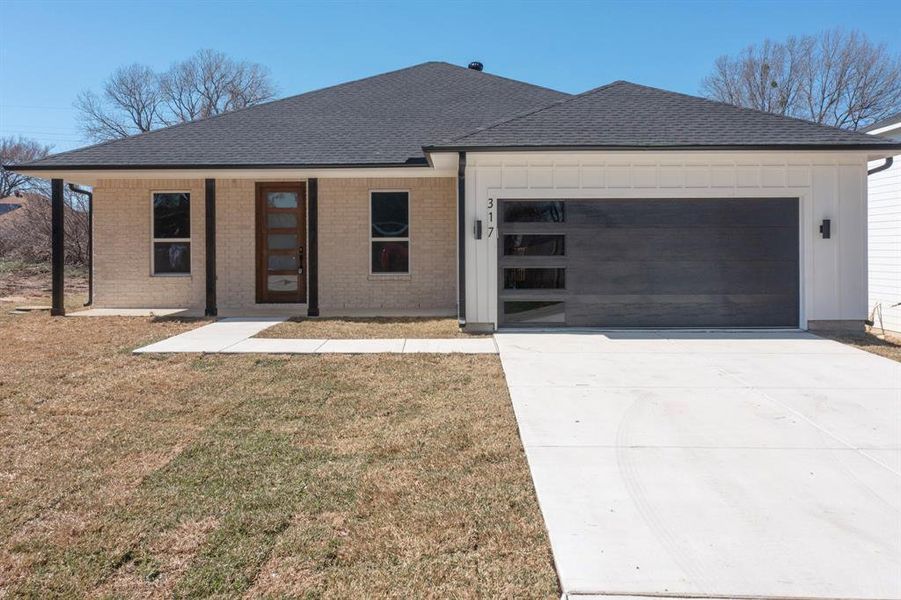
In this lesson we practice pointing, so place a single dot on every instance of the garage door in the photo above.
(725, 262)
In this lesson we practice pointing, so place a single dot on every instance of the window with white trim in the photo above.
(171, 254)
(389, 232)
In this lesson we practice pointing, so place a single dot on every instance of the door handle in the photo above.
(300, 260)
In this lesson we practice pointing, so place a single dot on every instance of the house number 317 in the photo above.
(490, 217)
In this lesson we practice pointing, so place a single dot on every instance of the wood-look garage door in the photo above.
(723, 262)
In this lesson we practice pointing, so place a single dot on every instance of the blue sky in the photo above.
(49, 51)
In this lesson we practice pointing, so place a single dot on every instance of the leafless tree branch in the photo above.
(135, 99)
(14, 151)
(836, 78)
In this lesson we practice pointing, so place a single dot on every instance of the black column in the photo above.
(57, 249)
(313, 247)
(210, 237)
(461, 239)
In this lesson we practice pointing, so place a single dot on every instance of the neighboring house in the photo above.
(438, 189)
(885, 232)
(9, 204)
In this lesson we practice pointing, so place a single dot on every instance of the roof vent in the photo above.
(476, 65)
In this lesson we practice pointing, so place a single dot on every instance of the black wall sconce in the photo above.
(477, 230)
(826, 229)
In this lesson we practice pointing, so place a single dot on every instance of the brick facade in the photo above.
(122, 247)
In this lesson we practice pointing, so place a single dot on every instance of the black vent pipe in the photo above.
(77, 190)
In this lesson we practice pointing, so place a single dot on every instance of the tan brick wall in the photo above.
(235, 243)
(122, 246)
(344, 254)
(122, 262)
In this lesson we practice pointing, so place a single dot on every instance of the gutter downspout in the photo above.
(461, 240)
(77, 190)
(888, 163)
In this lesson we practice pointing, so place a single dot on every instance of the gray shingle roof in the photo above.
(628, 115)
(388, 119)
(380, 120)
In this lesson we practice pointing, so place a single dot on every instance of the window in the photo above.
(534, 312)
(538, 211)
(389, 233)
(534, 245)
(171, 233)
(534, 279)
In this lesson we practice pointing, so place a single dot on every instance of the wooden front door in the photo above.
(281, 242)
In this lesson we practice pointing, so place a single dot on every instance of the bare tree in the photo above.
(14, 151)
(210, 83)
(130, 104)
(25, 233)
(136, 99)
(835, 78)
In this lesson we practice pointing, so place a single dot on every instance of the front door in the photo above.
(281, 241)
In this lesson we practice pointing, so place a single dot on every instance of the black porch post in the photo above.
(461, 239)
(210, 238)
(313, 247)
(57, 247)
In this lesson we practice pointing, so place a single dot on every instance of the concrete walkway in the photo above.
(235, 336)
(715, 465)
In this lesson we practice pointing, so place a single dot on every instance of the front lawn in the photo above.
(312, 476)
(339, 328)
(888, 346)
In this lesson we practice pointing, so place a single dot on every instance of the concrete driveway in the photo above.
(761, 464)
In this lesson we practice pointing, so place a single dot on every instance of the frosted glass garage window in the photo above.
(171, 228)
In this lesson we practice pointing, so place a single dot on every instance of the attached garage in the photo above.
(649, 262)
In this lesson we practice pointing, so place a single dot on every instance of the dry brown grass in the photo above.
(317, 476)
(888, 346)
(374, 328)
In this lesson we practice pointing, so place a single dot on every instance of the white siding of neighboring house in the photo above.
(830, 185)
(885, 243)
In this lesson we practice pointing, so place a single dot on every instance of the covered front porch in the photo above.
(269, 244)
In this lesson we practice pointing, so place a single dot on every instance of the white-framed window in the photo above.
(170, 218)
(389, 232)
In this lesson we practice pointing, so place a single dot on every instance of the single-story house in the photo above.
(442, 190)
(885, 231)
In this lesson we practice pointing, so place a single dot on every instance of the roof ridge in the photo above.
(496, 76)
(532, 111)
(745, 108)
(232, 112)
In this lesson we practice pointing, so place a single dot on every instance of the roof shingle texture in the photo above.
(624, 114)
(385, 119)
(388, 119)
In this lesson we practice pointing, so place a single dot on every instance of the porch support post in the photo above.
(210, 238)
(313, 247)
(461, 239)
(57, 247)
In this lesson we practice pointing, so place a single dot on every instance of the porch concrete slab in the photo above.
(275, 346)
(135, 312)
(214, 337)
(745, 464)
(363, 346)
(480, 345)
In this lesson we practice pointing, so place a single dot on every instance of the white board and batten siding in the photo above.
(885, 245)
(829, 185)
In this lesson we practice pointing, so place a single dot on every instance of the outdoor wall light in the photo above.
(826, 229)
(477, 231)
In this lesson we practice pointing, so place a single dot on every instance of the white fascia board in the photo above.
(886, 129)
(90, 177)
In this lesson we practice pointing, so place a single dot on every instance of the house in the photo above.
(884, 189)
(442, 190)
